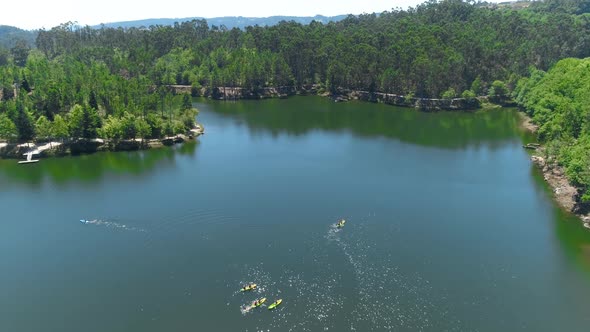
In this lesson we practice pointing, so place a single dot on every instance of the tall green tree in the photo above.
(59, 128)
(129, 126)
(43, 128)
(92, 101)
(498, 88)
(143, 128)
(20, 52)
(112, 129)
(24, 123)
(83, 122)
(187, 103)
(7, 128)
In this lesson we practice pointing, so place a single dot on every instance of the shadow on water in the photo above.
(92, 168)
(573, 237)
(300, 115)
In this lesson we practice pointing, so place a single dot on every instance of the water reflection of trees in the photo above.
(574, 239)
(300, 115)
(92, 167)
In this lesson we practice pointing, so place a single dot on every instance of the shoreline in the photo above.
(344, 95)
(526, 122)
(18, 151)
(564, 193)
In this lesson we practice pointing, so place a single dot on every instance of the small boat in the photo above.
(248, 288)
(84, 221)
(275, 304)
(532, 146)
(258, 303)
(341, 223)
(30, 159)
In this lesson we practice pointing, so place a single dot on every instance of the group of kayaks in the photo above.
(273, 305)
(253, 286)
(259, 302)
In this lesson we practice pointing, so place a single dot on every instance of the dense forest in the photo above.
(112, 82)
(559, 102)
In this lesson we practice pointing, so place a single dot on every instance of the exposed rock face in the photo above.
(526, 123)
(17, 151)
(128, 145)
(422, 104)
(181, 88)
(340, 95)
(233, 93)
(566, 195)
(174, 139)
(84, 146)
(80, 146)
(385, 98)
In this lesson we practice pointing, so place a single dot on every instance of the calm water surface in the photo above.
(450, 228)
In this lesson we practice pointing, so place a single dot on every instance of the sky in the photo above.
(36, 14)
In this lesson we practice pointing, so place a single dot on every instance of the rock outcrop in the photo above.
(566, 195)
(81, 146)
(234, 93)
(340, 95)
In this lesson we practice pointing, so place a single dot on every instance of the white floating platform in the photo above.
(28, 161)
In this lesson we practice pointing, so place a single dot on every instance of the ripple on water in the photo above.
(388, 298)
(306, 305)
(187, 220)
(110, 223)
(383, 297)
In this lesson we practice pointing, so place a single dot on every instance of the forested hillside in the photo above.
(424, 51)
(9, 36)
(559, 102)
(446, 48)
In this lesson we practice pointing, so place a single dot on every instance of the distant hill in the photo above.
(9, 35)
(229, 21)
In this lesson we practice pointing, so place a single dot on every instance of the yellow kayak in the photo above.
(258, 303)
(275, 304)
(248, 288)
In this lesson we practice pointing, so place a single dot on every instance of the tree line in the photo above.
(69, 98)
(559, 102)
(117, 77)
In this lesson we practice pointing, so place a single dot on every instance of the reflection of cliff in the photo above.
(574, 239)
(300, 115)
(93, 167)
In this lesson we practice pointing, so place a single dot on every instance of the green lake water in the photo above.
(449, 228)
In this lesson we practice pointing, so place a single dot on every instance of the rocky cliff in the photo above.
(80, 146)
(422, 104)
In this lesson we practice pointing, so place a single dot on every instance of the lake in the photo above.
(449, 228)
